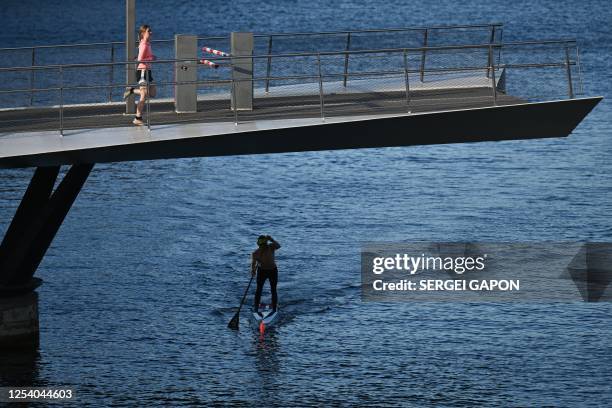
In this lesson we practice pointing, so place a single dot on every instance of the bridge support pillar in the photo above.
(19, 322)
(36, 222)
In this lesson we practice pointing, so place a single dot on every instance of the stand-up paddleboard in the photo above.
(265, 316)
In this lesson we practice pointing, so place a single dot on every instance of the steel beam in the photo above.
(37, 220)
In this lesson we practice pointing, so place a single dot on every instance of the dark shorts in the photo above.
(141, 76)
(262, 276)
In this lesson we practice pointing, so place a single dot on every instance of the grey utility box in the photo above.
(242, 46)
(185, 95)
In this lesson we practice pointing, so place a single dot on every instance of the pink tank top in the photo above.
(145, 54)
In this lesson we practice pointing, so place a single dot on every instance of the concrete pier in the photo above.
(19, 321)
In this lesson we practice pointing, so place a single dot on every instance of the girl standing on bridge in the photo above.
(143, 73)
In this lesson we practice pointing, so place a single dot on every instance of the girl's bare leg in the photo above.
(141, 102)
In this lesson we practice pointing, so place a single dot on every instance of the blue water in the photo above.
(152, 260)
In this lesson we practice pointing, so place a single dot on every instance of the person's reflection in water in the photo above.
(267, 347)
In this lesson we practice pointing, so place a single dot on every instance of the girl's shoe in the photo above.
(128, 92)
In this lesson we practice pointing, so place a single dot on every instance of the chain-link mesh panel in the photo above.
(34, 119)
(374, 82)
(385, 93)
(537, 72)
(471, 61)
(537, 84)
(287, 101)
(286, 72)
(534, 53)
(20, 57)
(463, 36)
(16, 88)
(214, 101)
(306, 43)
(374, 39)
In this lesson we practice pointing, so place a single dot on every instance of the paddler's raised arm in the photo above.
(275, 244)
(253, 263)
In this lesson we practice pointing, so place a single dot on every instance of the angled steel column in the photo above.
(33, 203)
(37, 221)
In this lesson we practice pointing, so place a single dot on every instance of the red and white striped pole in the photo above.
(215, 52)
(209, 63)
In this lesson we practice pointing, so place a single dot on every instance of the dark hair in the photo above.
(260, 239)
(143, 29)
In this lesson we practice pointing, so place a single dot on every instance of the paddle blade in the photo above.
(233, 324)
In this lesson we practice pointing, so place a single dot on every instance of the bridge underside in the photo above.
(512, 121)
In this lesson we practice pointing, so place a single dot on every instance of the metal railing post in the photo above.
(346, 58)
(320, 87)
(425, 41)
(233, 102)
(407, 81)
(491, 41)
(32, 76)
(581, 89)
(269, 67)
(61, 72)
(110, 73)
(568, 67)
(148, 101)
(501, 41)
(492, 68)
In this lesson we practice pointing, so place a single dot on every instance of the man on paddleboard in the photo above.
(263, 263)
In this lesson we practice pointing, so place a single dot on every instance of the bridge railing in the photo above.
(313, 85)
(265, 44)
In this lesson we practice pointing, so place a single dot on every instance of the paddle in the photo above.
(233, 324)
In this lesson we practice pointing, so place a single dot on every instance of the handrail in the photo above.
(381, 30)
(289, 55)
(293, 77)
(448, 27)
(61, 88)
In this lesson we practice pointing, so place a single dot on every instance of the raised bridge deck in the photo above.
(311, 101)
